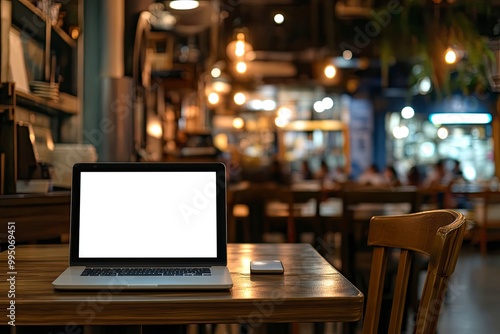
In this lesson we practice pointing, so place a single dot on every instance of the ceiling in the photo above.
(313, 30)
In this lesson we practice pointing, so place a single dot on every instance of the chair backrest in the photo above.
(437, 233)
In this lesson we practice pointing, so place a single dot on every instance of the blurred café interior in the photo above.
(305, 101)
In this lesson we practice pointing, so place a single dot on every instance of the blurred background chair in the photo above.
(437, 234)
(487, 218)
(359, 204)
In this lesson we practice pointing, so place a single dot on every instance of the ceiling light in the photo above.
(319, 107)
(280, 121)
(184, 4)
(450, 56)
(285, 112)
(216, 72)
(268, 105)
(347, 54)
(279, 18)
(213, 98)
(330, 71)
(241, 67)
(238, 48)
(460, 118)
(255, 104)
(424, 86)
(442, 133)
(407, 112)
(400, 132)
(238, 123)
(327, 103)
(239, 98)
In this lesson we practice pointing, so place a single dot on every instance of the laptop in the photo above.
(146, 226)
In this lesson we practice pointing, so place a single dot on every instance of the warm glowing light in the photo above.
(184, 4)
(268, 105)
(284, 112)
(407, 112)
(75, 32)
(221, 141)
(154, 128)
(221, 87)
(241, 67)
(279, 18)
(238, 123)
(347, 54)
(327, 103)
(239, 98)
(255, 104)
(213, 98)
(330, 71)
(216, 72)
(442, 133)
(451, 56)
(239, 49)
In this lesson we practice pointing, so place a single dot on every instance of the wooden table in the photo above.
(310, 291)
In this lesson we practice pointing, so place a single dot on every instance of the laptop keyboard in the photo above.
(146, 272)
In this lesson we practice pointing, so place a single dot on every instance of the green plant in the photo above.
(425, 29)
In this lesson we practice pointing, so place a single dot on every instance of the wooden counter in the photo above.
(37, 216)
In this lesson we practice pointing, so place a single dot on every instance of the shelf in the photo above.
(32, 21)
(66, 105)
(61, 35)
(29, 19)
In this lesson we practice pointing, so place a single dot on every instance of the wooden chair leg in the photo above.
(483, 240)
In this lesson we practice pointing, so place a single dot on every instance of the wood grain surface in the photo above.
(310, 290)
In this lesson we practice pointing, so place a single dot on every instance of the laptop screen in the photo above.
(166, 214)
(148, 213)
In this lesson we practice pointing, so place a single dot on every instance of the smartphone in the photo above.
(266, 267)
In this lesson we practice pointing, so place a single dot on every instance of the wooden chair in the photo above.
(436, 233)
(487, 217)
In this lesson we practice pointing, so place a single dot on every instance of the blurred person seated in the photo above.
(323, 172)
(391, 176)
(414, 176)
(439, 176)
(278, 174)
(371, 177)
(438, 184)
(305, 171)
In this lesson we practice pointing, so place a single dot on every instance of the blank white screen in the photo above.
(148, 215)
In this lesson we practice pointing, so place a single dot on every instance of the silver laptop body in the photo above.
(147, 226)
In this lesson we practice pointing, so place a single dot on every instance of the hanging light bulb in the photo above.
(330, 71)
(450, 56)
(239, 98)
(241, 67)
(213, 98)
(239, 48)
